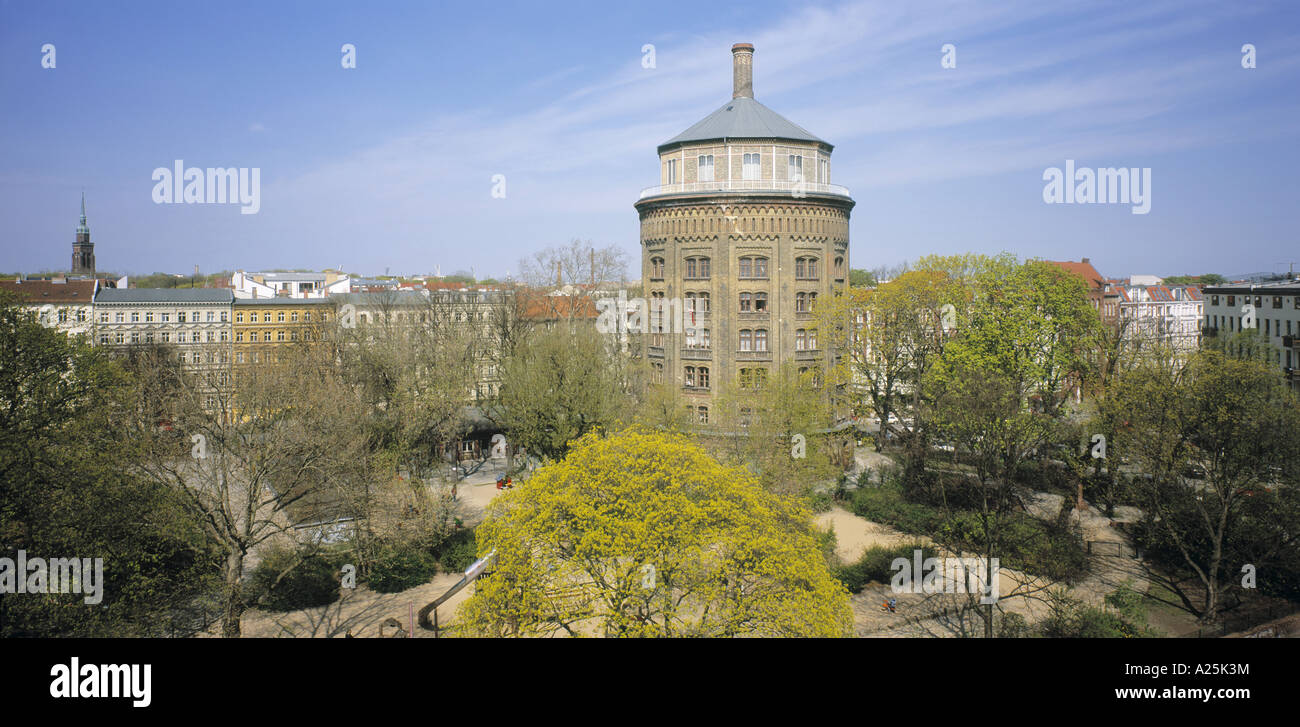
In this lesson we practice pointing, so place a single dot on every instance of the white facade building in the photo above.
(1271, 308)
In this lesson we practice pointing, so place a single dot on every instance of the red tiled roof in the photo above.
(1084, 270)
(48, 291)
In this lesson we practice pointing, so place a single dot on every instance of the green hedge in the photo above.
(401, 567)
(457, 552)
(312, 582)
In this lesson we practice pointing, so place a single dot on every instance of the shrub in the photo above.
(875, 565)
(401, 567)
(457, 552)
(820, 501)
(287, 580)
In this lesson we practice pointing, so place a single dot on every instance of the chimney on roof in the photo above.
(1086, 260)
(742, 70)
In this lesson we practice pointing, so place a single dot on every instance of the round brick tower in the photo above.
(744, 232)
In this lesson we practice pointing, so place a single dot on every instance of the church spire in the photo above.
(83, 229)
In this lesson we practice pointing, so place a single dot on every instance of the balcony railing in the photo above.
(753, 355)
(697, 354)
(746, 185)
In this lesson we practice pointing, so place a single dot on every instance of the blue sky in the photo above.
(389, 166)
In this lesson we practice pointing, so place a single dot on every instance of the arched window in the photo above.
(805, 268)
(657, 268)
(697, 268)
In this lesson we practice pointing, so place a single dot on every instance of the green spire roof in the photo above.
(83, 229)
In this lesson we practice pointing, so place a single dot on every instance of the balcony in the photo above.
(697, 354)
(753, 355)
(766, 186)
(811, 354)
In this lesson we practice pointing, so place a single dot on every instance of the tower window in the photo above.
(751, 168)
(705, 167)
(794, 172)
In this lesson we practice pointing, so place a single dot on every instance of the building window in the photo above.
(760, 339)
(704, 414)
(224, 317)
(760, 302)
(750, 168)
(672, 171)
(103, 339)
(657, 268)
(824, 171)
(293, 317)
(239, 336)
(690, 376)
(180, 316)
(752, 379)
(239, 317)
(1277, 301)
(746, 302)
(103, 318)
(805, 268)
(705, 168)
(119, 339)
(180, 337)
(746, 340)
(135, 317)
(702, 377)
(135, 337)
(800, 340)
(212, 316)
(279, 317)
(697, 268)
(225, 336)
(279, 335)
(800, 302)
(165, 337)
(266, 337)
(753, 267)
(699, 338)
(794, 171)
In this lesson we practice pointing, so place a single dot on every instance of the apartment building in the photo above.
(193, 322)
(263, 326)
(1171, 314)
(67, 305)
(1271, 308)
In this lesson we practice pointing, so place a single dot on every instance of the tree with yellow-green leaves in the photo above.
(641, 533)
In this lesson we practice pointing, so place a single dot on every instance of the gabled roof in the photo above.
(742, 118)
(1084, 270)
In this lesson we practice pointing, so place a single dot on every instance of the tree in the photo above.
(895, 335)
(859, 278)
(579, 263)
(282, 447)
(560, 384)
(1218, 438)
(67, 491)
(760, 421)
(640, 533)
